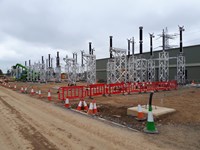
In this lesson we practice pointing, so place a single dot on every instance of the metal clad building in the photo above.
(192, 57)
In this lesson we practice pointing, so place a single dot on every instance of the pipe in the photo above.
(49, 60)
(82, 58)
(141, 39)
(42, 59)
(150, 101)
(163, 39)
(57, 60)
(181, 29)
(129, 41)
(133, 46)
(111, 45)
(90, 48)
(151, 44)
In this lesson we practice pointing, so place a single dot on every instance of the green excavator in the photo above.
(22, 76)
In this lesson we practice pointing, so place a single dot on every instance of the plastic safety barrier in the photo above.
(96, 90)
(77, 92)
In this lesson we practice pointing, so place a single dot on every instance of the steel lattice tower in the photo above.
(42, 71)
(181, 69)
(163, 66)
(111, 72)
(141, 70)
(181, 61)
(151, 62)
(71, 68)
(58, 69)
(49, 68)
(120, 64)
(90, 61)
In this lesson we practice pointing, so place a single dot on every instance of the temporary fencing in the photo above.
(78, 92)
(72, 92)
(96, 90)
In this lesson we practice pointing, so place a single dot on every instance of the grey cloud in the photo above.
(40, 27)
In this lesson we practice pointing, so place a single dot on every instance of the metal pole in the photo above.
(163, 39)
(82, 52)
(111, 45)
(181, 29)
(49, 60)
(129, 41)
(151, 43)
(42, 59)
(141, 37)
(133, 46)
(57, 60)
(90, 48)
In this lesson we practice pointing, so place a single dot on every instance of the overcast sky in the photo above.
(30, 29)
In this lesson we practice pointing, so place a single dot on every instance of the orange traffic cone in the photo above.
(32, 91)
(49, 95)
(67, 103)
(22, 89)
(85, 105)
(39, 94)
(79, 105)
(94, 107)
(140, 116)
(91, 107)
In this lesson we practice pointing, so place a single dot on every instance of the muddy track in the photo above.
(28, 123)
(35, 138)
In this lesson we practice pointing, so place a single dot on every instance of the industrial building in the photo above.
(192, 64)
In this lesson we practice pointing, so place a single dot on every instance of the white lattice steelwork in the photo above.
(181, 69)
(111, 72)
(82, 72)
(42, 73)
(131, 69)
(141, 70)
(30, 73)
(71, 69)
(58, 74)
(151, 70)
(163, 66)
(90, 62)
(120, 63)
(36, 71)
(49, 70)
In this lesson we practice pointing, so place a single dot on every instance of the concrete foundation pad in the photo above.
(157, 111)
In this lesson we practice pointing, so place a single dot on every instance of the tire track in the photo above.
(37, 140)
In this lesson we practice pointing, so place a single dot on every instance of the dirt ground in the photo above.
(180, 130)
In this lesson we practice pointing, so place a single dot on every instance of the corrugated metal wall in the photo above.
(192, 54)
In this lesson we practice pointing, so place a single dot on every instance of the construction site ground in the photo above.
(30, 122)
